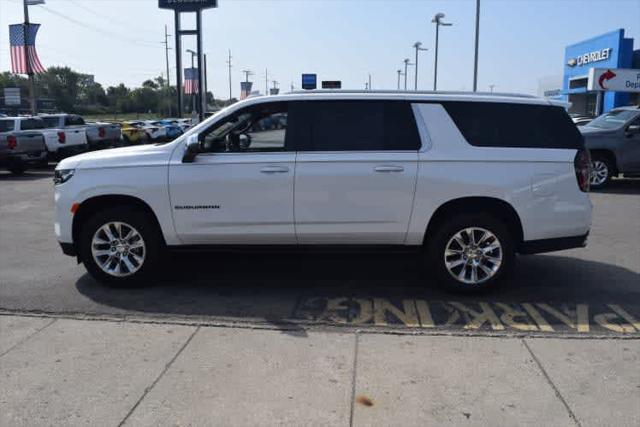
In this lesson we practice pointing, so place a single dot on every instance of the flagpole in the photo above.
(32, 85)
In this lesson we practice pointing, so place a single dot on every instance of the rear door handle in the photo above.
(274, 169)
(387, 169)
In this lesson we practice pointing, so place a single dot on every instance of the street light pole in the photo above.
(32, 84)
(406, 65)
(475, 63)
(229, 64)
(399, 74)
(437, 19)
(417, 45)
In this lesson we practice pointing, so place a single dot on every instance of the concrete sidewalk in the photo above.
(56, 371)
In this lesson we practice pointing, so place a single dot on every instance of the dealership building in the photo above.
(611, 50)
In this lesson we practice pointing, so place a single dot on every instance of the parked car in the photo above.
(173, 130)
(104, 135)
(99, 135)
(613, 139)
(133, 132)
(581, 120)
(155, 131)
(448, 176)
(20, 149)
(60, 142)
(184, 124)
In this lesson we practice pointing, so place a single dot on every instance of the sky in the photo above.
(521, 41)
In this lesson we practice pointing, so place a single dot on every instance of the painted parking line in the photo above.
(471, 316)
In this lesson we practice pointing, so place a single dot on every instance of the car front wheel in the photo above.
(471, 253)
(121, 247)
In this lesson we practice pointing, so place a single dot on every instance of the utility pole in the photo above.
(475, 63)
(178, 47)
(369, 86)
(417, 45)
(266, 81)
(229, 63)
(166, 50)
(406, 65)
(399, 74)
(32, 84)
(206, 89)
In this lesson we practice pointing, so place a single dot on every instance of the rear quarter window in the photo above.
(492, 124)
(6, 125)
(31, 124)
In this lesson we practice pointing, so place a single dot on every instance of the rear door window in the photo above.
(356, 126)
(31, 124)
(493, 124)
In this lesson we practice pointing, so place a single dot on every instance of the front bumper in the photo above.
(552, 245)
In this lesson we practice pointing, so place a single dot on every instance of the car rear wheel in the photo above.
(121, 247)
(471, 253)
(601, 172)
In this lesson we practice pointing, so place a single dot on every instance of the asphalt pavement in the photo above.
(590, 291)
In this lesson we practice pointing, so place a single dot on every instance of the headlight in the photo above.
(60, 176)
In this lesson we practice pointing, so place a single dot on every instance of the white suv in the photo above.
(458, 175)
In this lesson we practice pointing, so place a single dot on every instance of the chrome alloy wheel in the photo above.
(599, 172)
(473, 255)
(118, 249)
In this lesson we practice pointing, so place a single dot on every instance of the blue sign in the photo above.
(309, 81)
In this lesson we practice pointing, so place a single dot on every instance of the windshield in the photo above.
(613, 119)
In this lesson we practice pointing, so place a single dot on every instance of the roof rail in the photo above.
(413, 92)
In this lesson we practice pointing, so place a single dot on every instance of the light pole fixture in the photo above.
(417, 46)
(437, 19)
(406, 65)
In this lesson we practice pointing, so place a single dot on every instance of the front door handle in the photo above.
(386, 169)
(274, 169)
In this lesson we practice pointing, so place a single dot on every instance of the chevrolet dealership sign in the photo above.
(187, 5)
(588, 58)
(614, 79)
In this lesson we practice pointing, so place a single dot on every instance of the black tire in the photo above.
(602, 164)
(437, 244)
(17, 168)
(154, 246)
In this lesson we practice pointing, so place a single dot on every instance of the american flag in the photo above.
(22, 52)
(245, 89)
(191, 80)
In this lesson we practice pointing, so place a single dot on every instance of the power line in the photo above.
(109, 18)
(100, 30)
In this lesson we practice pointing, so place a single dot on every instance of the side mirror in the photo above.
(191, 149)
(632, 130)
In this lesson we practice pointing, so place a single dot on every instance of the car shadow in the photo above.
(621, 186)
(28, 175)
(270, 287)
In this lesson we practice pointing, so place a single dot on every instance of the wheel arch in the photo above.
(97, 203)
(497, 207)
(607, 154)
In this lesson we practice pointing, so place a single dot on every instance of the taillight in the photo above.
(582, 165)
(12, 142)
(101, 132)
(62, 137)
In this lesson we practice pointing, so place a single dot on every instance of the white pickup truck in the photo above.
(60, 143)
(97, 135)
